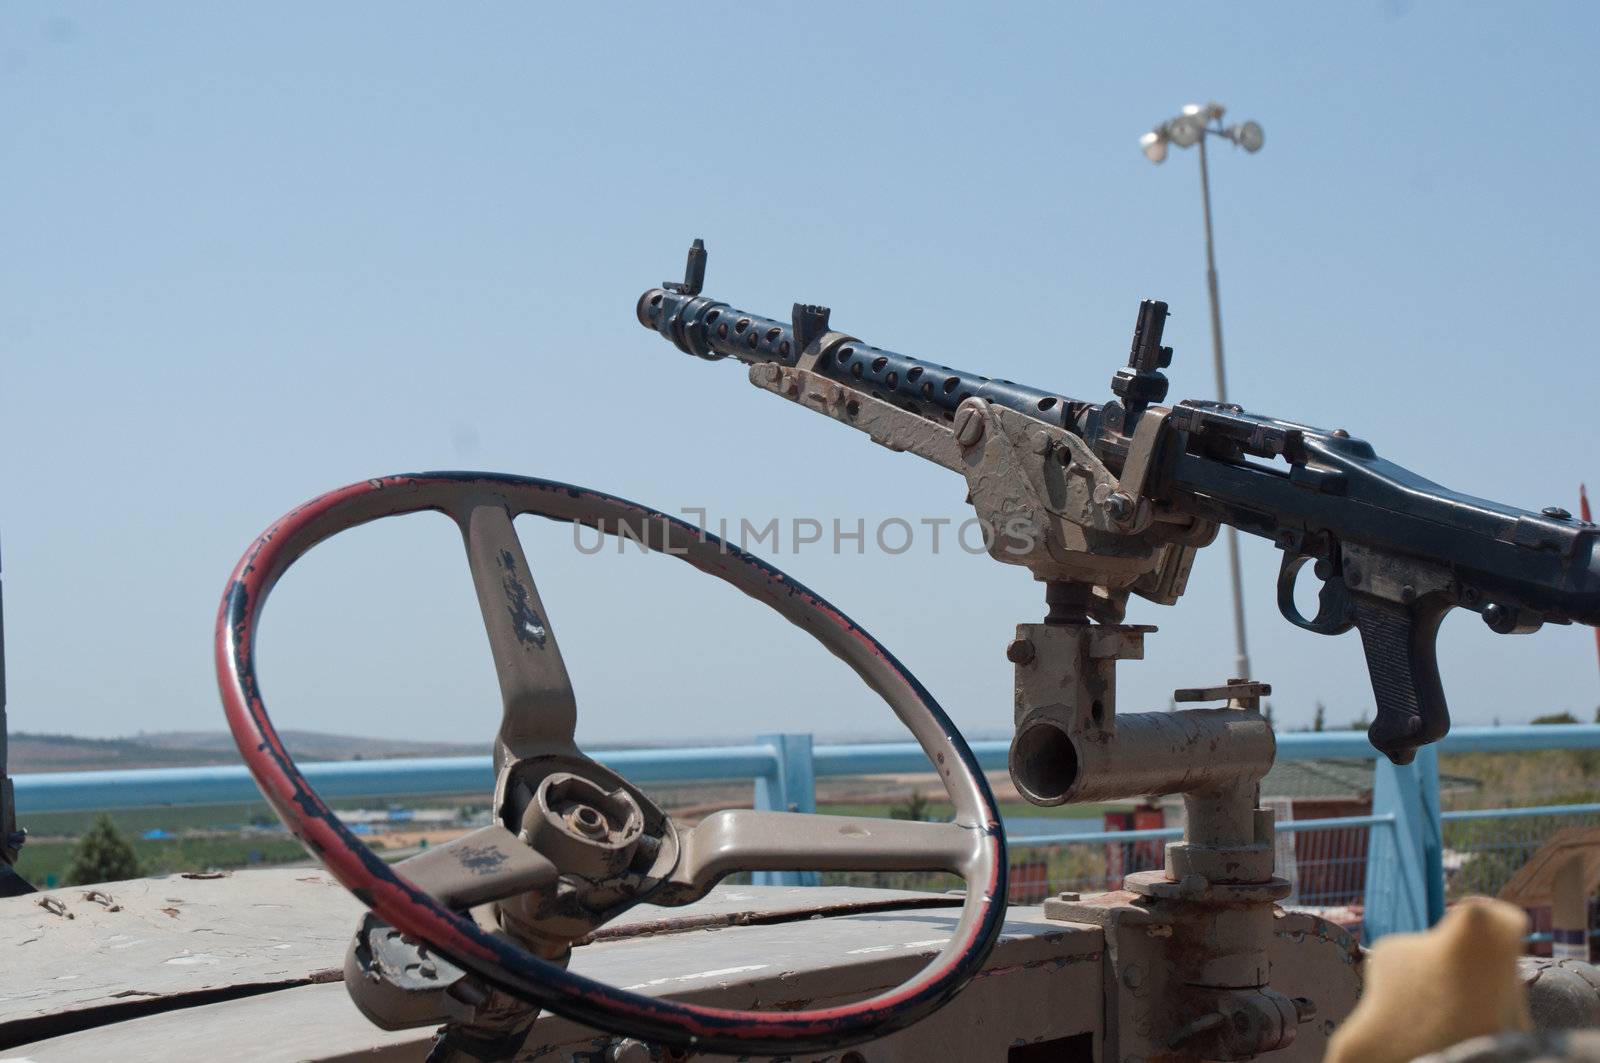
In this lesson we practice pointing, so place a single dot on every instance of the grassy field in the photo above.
(210, 836)
(44, 862)
(135, 821)
(1543, 777)
(179, 818)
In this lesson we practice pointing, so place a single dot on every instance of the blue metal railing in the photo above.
(1403, 866)
(1521, 813)
(73, 791)
(229, 784)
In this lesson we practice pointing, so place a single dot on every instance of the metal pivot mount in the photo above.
(1203, 924)
(1045, 500)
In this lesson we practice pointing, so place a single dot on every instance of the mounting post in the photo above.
(792, 787)
(1406, 859)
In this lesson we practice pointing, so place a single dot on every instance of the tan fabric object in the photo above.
(1425, 992)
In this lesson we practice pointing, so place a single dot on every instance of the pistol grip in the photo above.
(1398, 640)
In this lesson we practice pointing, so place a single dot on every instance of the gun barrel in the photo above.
(708, 329)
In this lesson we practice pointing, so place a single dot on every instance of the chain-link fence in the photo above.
(1327, 862)
(1482, 849)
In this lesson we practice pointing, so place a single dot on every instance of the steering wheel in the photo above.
(573, 843)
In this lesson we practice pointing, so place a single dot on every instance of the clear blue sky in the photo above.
(250, 254)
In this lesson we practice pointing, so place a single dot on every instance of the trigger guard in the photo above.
(1335, 614)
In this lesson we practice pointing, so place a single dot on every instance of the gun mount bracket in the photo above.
(1047, 502)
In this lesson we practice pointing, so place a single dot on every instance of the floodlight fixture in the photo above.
(1190, 126)
(1247, 135)
(1154, 145)
(1186, 130)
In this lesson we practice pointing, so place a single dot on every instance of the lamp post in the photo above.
(1190, 129)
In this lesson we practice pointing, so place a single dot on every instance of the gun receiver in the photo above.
(1104, 500)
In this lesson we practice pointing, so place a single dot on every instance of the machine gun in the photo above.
(1103, 500)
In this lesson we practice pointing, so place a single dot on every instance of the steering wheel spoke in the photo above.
(539, 710)
(481, 866)
(742, 840)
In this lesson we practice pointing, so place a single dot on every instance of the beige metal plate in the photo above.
(161, 940)
(738, 960)
(171, 936)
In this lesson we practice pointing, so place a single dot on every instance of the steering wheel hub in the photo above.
(583, 828)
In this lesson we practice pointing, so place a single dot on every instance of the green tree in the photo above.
(102, 855)
(1319, 718)
(1556, 717)
(916, 807)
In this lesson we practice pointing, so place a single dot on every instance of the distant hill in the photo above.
(176, 749)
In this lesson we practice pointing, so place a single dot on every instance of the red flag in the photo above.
(1583, 511)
